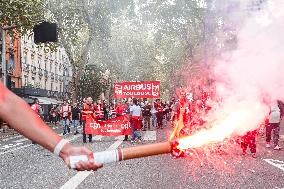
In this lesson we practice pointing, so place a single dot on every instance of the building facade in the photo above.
(49, 72)
(12, 59)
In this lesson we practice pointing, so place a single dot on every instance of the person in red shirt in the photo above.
(35, 106)
(180, 113)
(87, 109)
(120, 109)
(99, 110)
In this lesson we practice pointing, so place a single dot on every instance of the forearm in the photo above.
(23, 119)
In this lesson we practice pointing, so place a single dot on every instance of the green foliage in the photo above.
(90, 83)
(22, 13)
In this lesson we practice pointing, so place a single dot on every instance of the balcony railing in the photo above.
(52, 76)
(61, 78)
(45, 73)
(40, 72)
(56, 77)
(33, 68)
(26, 67)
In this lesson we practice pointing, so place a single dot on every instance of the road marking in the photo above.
(25, 146)
(119, 137)
(10, 138)
(74, 182)
(7, 146)
(277, 163)
(98, 137)
(9, 151)
(150, 135)
(21, 140)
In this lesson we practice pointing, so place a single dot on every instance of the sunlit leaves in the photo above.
(22, 13)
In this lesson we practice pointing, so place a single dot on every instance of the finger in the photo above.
(85, 150)
(80, 166)
(87, 165)
(96, 166)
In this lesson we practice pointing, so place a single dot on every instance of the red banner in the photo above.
(148, 89)
(113, 127)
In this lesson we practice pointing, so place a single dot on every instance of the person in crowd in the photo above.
(147, 116)
(65, 113)
(99, 110)
(106, 109)
(154, 115)
(180, 113)
(160, 113)
(75, 117)
(167, 110)
(120, 109)
(27, 120)
(54, 114)
(273, 125)
(249, 140)
(87, 109)
(136, 121)
(126, 111)
(36, 107)
(112, 112)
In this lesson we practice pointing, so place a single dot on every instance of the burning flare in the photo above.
(235, 122)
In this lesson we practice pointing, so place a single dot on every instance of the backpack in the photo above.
(275, 115)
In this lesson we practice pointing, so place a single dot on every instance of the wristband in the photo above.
(59, 146)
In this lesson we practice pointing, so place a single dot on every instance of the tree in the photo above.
(171, 41)
(90, 83)
(23, 14)
(79, 23)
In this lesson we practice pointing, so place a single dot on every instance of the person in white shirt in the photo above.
(136, 121)
(274, 125)
(65, 113)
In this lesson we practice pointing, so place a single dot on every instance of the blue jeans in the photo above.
(65, 123)
(135, 133)
(154, 120)
(75, 124)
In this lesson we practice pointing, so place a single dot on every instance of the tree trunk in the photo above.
(77, 73)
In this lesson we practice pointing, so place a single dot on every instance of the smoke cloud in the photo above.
(252, 77)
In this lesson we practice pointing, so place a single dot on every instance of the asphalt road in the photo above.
(24, 165)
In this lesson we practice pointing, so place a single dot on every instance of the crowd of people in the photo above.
(155, 114)
(74, 114)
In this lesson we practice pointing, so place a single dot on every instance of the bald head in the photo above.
(89, 100)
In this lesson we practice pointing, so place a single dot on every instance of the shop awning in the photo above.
(28, 100)
(46, 100)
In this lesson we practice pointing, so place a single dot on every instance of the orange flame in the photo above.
(221, 129)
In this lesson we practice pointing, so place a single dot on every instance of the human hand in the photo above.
(89, 165)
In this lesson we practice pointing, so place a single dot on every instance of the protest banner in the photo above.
(113, 127)
(148, 89)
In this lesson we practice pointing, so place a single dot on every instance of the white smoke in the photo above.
(253, 75)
